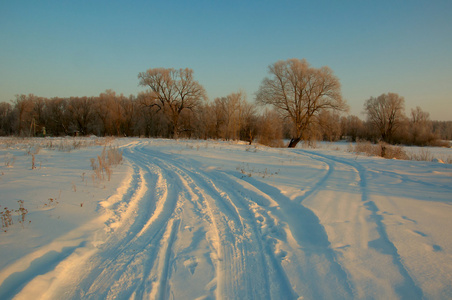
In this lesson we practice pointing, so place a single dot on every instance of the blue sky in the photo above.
(81, 48)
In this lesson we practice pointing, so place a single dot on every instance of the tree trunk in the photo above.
(293, 142)
(175, 126)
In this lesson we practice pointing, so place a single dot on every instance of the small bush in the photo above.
(381, 149)
(392, 152)
(422, 155)
(365, 148)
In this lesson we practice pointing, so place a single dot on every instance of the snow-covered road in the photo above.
(210, 220)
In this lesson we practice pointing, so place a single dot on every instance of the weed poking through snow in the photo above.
(248, 171)
(103, 165)
(7, 218)
(22, 212)
(9, 160)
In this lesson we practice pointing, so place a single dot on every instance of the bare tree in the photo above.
(23, 106)
(173, 91)
(152, 122)
(300, 92)
(443, 129)
(353, 127)
(58, 119)
(228, 112)
(234, 118)
(249, 119)
(386, 113)
(421, 129)
(330, 126)
(102, 109)
(6, 118)
(207, 121)
(82, 113)
(270, 129)
(129, 114)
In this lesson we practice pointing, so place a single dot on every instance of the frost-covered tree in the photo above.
(386, 114)
(173, 91)
(300, 93)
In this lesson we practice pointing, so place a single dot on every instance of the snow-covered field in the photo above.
(217, 220)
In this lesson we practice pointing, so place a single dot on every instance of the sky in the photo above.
(82, 48)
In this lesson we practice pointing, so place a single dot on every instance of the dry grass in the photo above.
(422, 155)
(102, 166)
(426, 155)
(396, 152)
(33, 145)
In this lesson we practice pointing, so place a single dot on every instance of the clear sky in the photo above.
(81, 48)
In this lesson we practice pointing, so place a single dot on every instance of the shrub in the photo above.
(381, 149)
(422, 155)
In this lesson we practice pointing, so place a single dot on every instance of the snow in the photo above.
(221, 220)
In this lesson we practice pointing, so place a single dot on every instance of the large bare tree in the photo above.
(300, 93)
(173, 91)
(386, 113)
(81, 110)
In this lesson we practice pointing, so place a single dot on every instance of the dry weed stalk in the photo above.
(7, 219)
(9, 160)
(103, 166)
(52, 202)
(22, 212)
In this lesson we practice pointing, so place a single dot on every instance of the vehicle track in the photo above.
(309, 256)
(175, 222)
(137, 227)
(245, 259)
(407, 287)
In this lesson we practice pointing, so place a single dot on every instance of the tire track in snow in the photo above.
(146, 268)
(245, 259)
(280, 286)
(122, 263)
(231, 231)
(256, 213)
(190, 191)
(313, 266)
(408, 288)
(160, 289)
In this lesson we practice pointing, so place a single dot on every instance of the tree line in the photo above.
(295, 102)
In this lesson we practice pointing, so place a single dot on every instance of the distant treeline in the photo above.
(228, 118)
